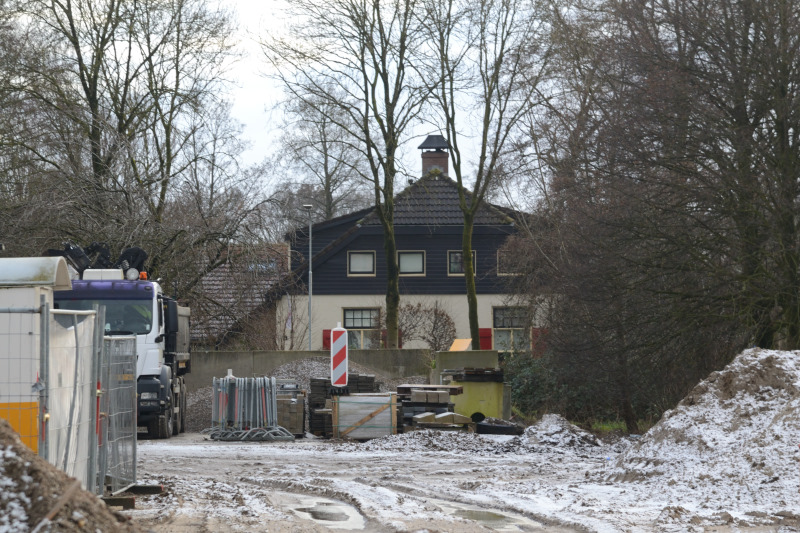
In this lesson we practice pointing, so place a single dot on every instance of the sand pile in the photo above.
(737, 431)
(30, 488)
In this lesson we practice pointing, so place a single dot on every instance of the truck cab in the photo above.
(161, 327)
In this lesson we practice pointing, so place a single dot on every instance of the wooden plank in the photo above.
(406, 388)
(335, 416)
(126, 502)
(393, 403)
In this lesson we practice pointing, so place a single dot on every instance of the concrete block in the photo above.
(461, 419)
(424, 418)
(444, 418)
(419, 396)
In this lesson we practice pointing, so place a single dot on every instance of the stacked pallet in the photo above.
(319, 417)
(416, 400)
(320, 394)
(474, 374)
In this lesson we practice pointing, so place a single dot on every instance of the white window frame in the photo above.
(411, 274)
(513, 331)
(356, 335)
(350, 273)
(474, 262)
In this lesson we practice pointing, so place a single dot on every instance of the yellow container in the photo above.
(484, 397)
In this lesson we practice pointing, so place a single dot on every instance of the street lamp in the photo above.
(308, 208)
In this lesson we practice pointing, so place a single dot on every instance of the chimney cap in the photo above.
(434, 142)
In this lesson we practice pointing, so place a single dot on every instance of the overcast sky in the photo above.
(254, 95)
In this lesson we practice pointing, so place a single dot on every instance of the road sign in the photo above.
(339, 356)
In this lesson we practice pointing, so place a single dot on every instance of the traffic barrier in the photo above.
(245, 409)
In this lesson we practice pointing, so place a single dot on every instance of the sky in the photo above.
(255, 96)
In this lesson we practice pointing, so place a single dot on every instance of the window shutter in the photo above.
(538, 341)
(326, 339)
(486, 338)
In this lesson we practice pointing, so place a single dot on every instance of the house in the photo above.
(224, 299)
(348, 270)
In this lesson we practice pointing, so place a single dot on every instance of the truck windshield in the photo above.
(122, 316)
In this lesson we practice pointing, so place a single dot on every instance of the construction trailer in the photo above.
(62, 385)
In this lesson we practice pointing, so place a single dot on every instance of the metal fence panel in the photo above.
(118, 414)
(245, 409)
(71, 394)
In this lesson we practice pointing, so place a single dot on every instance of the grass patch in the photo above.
(605, 427)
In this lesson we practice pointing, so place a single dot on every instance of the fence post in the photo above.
(44, 376)
(97, 348)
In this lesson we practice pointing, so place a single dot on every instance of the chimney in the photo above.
(435, 154)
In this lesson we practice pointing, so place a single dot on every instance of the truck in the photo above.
(135, 305)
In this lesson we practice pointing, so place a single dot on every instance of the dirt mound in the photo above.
(738, 428)
(552, 431)
(30, 488)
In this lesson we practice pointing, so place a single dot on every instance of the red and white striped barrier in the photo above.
(339, 356)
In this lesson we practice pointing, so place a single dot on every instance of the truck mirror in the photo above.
(171, 323)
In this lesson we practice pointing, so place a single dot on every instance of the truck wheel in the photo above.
(165, 423)
(152, 429)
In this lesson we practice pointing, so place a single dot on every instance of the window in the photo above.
(510, 329)
(363, 328)
(507, 264)
(360, 263)
(455, 263)
(411, 263)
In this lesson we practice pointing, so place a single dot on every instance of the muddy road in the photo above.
(317, 485)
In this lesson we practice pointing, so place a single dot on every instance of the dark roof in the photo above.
(434, 142)
(341, 220)
(433, 201)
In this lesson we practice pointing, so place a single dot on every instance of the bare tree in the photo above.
(672, 179)
(316, 151)
(129, 121)
(493, 55)
(354, 56)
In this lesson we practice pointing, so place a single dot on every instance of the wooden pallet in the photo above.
(364, 416)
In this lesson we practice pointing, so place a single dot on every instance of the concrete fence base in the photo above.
(207, 365)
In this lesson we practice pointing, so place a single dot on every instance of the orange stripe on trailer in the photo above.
(24, 419)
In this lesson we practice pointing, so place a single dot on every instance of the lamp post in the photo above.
(308, 208)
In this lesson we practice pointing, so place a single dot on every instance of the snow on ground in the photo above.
(725, 459)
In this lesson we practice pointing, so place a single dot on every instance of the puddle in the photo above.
(324, 511)
(482, 516)
(332, 514)
(493, 520)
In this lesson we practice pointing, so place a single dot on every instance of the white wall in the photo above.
(327, 311)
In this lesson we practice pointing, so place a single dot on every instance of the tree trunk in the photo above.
(469, 280)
